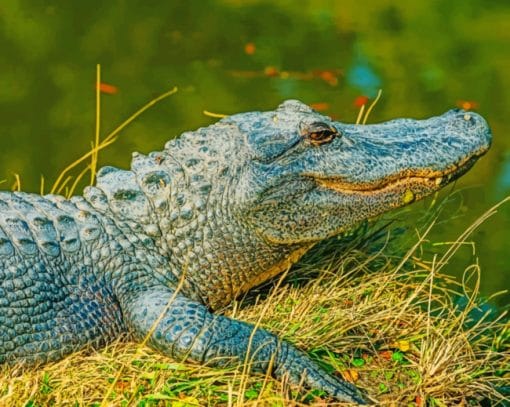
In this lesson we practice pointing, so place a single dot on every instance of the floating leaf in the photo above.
(249, 48)
(271, 71)
(329, 77)
(360, 101)
(467, 104)
(320, 106)
(108, 89)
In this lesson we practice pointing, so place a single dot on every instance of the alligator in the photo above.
(153, 251)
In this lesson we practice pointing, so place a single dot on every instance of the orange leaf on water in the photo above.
(320, 106)
(360, 100)
(467, 104)
(249, 48)
(329, 77)
(271, 71)
(107, 88)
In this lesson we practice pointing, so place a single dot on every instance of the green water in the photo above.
(425, 55)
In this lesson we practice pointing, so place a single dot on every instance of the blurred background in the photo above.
(229, 56)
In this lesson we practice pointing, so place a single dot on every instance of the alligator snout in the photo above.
(471, 124)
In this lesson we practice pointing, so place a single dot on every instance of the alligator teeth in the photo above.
(439, 180)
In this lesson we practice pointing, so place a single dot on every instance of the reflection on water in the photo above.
(231, 55)
(503, 179)
(361, 75)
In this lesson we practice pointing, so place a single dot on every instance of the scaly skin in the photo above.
(155, 249)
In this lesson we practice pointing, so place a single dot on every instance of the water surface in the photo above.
(232, 56)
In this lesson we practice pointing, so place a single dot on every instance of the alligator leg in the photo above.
(184, 329)
(47, 320)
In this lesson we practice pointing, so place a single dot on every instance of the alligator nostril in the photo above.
(468, 117)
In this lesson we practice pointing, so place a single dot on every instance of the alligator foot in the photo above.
(184, 329)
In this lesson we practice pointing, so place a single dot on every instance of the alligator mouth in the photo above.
(422, 180)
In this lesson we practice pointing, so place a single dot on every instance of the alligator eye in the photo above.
(320, 137)
(320, 133)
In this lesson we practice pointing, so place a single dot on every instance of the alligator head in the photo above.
(309, 177)
(236, 202)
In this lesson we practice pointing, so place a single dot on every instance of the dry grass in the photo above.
(392, 324)
(393, 328)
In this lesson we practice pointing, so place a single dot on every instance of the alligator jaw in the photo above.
(412, 184)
